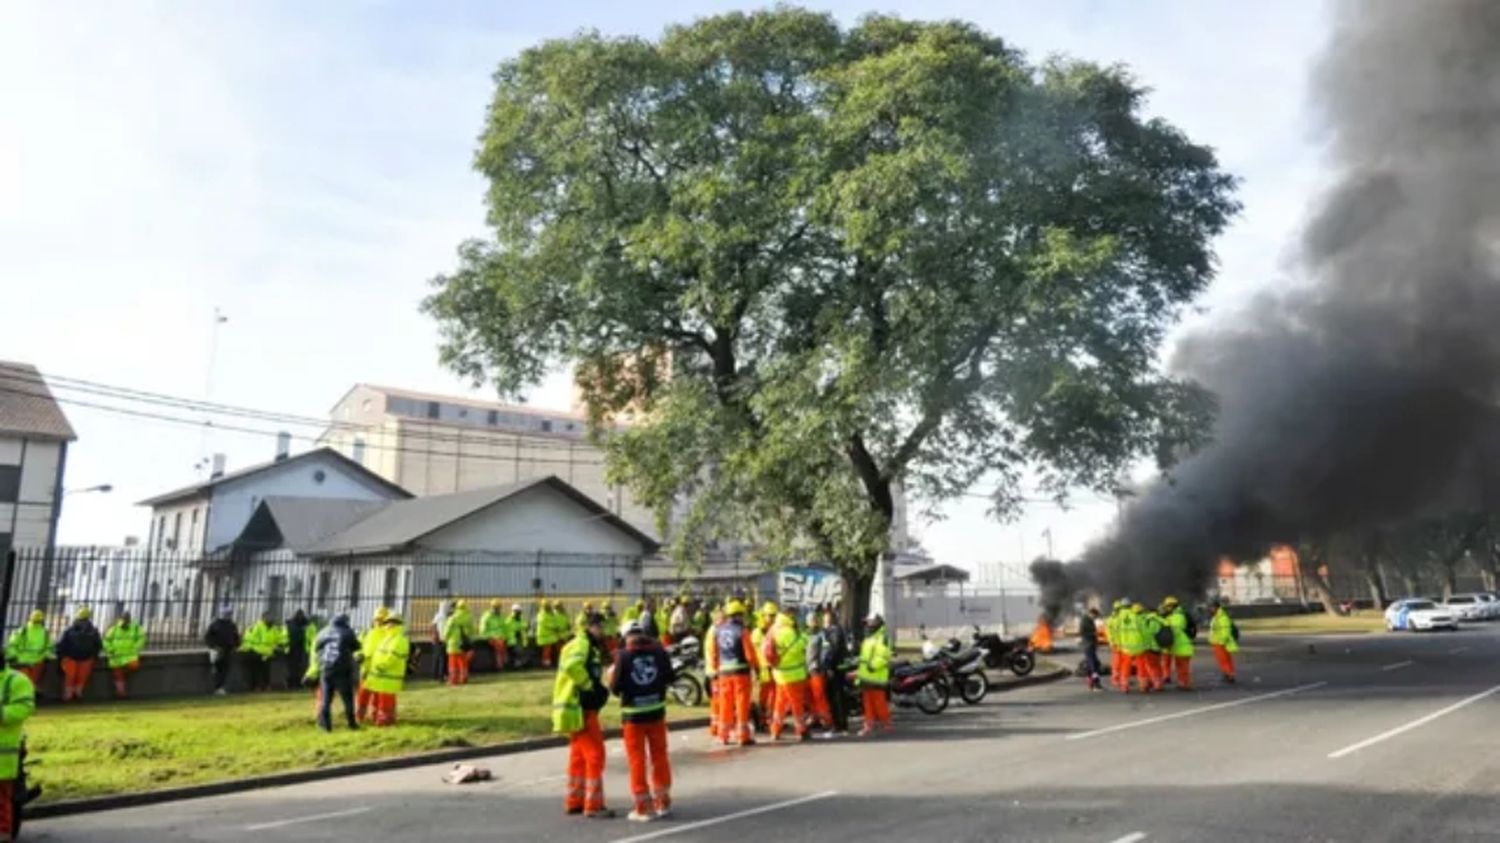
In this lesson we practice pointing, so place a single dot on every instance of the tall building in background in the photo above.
(435, 444)
(34, 437)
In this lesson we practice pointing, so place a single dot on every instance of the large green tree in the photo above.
(818, 265)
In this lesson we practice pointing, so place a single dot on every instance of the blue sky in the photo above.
(305, 167)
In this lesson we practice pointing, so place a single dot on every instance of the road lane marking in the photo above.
(1456, 650)
(764, 809)
(1397, 665)
(1420, 721)
(312, 819)
(1192, 711)
(1133, 837)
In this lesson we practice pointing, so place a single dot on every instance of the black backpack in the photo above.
(1164, 637)
(1192, 625)
(1234, 631)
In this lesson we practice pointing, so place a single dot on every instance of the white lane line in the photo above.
(1397, 665)
(1192, 711)
(312, 819)
(764, 809)
(1420, 721)
(1133, 837)
(1456, 650)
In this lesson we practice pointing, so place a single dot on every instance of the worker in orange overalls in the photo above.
(786, 648)
(766, 696)
(734, 660)
(640, 676)
(817, 678)
(710, 669)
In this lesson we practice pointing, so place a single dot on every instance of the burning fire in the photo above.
(1041, 637)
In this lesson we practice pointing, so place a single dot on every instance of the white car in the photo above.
(1417, 614)
(1467, 607)
(1491, 604)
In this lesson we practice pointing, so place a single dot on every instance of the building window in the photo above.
(325, 584)
(193, 530)
(463, 413)
(354, 588)
(388, 591)
(444, 584)
(10, 483)
(494, 417)
(546, 425)
(433, 409)
(359, 450)
(176, 530)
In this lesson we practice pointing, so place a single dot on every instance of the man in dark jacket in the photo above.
(1088, 638)
(222, 638)
(835, 652)
(77, 649)
(296, 656)
(334, 649)
(640, 677)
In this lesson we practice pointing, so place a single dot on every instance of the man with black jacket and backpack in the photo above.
(641, 674)
(334, 649)
(835, 651)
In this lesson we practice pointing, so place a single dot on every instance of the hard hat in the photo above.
(1170, 601)
(1119, 603)
(85, 613)
(588, 606)
(496, 604)
(929, 650)
(1137, 607)
(735, 607)
(37, 616)
(382, 613)
(874, 620)
(516, 607)
(462, 604)
(768, 609)
(633, 628)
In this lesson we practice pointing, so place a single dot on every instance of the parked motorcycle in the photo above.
(921, 685)
(966, 670)
(687, 665)
(1015, 656)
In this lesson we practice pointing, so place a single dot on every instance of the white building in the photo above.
(34, 437)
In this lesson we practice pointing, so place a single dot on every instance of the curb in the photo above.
(400, 762)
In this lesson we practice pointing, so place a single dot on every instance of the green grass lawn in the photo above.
(1365, 621)
(104, 748)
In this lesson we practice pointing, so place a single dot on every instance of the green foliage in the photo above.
(813, 263)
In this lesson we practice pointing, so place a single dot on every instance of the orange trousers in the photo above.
(790, 697)
(385, 709)
(549, 652)
(497, 646)
(121, 674)
(817, 699)
(877, 706)
(1143, 666)
(1184, 670)
(1119, 668)
(33, 671)
(586, 766)
(458, 667)
(363, 699)
(766, 698)
(734, 708)
(715, 689)
(1225, 660)
(646, 747)
(75, 675)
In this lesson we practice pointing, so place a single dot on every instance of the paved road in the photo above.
(1365, 738)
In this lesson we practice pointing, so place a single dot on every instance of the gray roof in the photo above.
(303, 522)
(932, 572)
(202, 488)
(27, 407)
(400, 523)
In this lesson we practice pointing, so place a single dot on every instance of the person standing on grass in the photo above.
(577, 695)
(223, 639)
(259, 648)
(440, 652)
(30, 647)
(387, 675)
(458, 638)
(17, 703)
(492, 626)
(123, 645)
(77, 650)
(335, 648)
(640, 676)
(300, 636)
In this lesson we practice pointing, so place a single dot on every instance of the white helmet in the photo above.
(930, 650)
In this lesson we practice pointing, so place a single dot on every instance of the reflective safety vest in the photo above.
(875, 660)
(791, 652)
(458, 631)
(1132, 633)
(29, 645)
(492, 625)
(1221, 631)
(513, 629)
(369, 643)
(386, 671)
(17, 702)
(732, 654)
(1182, 645)
(260, 639)
(123, 644)
(309, 638)
(758, 641)
(574, 677)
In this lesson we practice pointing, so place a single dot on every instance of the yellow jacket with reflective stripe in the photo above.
(123, 644)
(791, 651)
(386, 673)
(572, 679)
(1221, 631)
(875, 660)
(17, 702)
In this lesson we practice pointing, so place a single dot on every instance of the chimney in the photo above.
(218, 467)
(283, 445)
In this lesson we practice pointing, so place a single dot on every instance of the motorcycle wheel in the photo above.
(933, 697)
(1022, 663)
(685, 690)
(974, 688)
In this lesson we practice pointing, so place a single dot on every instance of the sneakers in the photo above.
(573, 811)
(637, 817)
(663, 813)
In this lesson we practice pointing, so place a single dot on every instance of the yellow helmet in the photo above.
(1138, 608)
(1170, 601)
(37, 616)
(1119, 603)
(462, 604)
(588, 606)
(768, 609)
(496, 604)
(85, 613)
(735, 607)
(382, 614)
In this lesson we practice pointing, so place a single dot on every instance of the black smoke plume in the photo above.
(1368, 395)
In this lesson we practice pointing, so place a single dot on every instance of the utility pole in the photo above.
(208, 384)
(1047, 534)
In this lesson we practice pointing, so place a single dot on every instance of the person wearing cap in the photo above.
(123, 644)
(875, 676)
(335, 650)
(835, 653)
(582, 618)
(711, 685)
(817, 675)
(387, 674)
(458, 641)
(640, 676)
(732, 659)
(578, 694)
(1180, 653)
(1224, 638)
(364, 698)
(300, 637)
(77, 649)
(492, 626)
(222, 638)
(786, 647)
(30, 647)
(766, 695)
(17, 703)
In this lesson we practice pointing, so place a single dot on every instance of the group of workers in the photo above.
(77, 650)
(1150, 645)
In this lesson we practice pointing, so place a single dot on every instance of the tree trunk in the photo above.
(1377, 587)
(856, 601)
(1318, 589)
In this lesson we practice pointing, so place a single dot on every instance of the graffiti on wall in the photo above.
(808, 587)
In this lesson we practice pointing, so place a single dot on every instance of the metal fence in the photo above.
(1254, 588)
(176, 596)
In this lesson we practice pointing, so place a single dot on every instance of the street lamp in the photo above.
(102, 488)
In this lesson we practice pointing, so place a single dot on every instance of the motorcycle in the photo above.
(965, 670)
(922, 685)
(687, 666)
(1015, 656)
